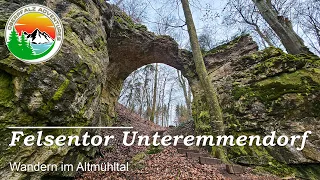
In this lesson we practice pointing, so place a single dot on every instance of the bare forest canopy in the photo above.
(173, 94)
(220, 21)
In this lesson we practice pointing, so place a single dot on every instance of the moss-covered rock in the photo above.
(6, 89)
(268, 91)
(65, 91)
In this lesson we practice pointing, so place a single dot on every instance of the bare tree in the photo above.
(184, 86)
(169, 104)
(154, 100)
(206, 39)
(136, 9)
(307, 14)
(282, 26)
(244, 12)
(211, 94)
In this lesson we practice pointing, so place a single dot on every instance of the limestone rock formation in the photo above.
(65, 91)
(268, 91)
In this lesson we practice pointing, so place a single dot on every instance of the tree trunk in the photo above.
(145, 92)
(169, 105)
(185, 93)
(210, 93)
(154, 94)
(190, 99)
(163, 109)
(282, 27)
(148, 95)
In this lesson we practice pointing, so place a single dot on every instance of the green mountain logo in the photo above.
(25, 48)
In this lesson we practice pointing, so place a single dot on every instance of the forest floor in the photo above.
(155, 163)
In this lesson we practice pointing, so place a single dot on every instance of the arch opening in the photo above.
(159, 93)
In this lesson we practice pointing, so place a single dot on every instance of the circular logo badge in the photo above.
(34, 33)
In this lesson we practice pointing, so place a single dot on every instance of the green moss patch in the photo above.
(307, 171)
(137, 161)
(273, 61)
(276, 168)
(304, 171)
(154, 149)
(2, 24)
(302, 81)
(6, 89)
(58, 94)
(263, 55)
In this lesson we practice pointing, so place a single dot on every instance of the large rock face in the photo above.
(80, 85)
(69, 90)
(269, 91)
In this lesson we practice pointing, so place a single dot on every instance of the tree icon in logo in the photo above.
(21, 47)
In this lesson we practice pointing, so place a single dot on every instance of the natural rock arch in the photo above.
(131, 46)
(234, 68)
